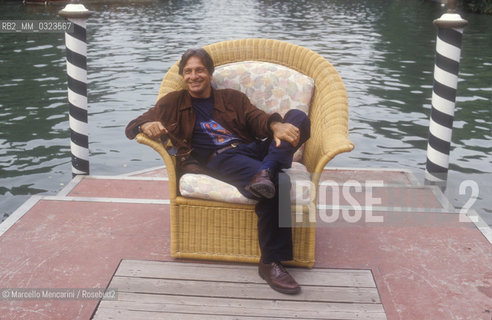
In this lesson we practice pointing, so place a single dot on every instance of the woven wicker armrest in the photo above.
(329, 118)
(329, 137)
(168, 160)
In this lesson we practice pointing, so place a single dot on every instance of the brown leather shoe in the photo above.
(261, 185)
(278, 278)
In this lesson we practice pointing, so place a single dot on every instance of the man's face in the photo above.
(197, 78)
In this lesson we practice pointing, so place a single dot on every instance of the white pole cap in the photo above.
(451, 19)
(75, 10)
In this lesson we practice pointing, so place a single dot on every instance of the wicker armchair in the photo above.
(202, 229)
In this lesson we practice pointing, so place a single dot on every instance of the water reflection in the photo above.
(384, 51)
(403, 79)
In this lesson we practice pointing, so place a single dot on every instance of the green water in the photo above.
(384, 51)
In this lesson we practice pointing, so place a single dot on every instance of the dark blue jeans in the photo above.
(239, 165)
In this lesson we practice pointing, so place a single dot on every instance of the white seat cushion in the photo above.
(205, 187)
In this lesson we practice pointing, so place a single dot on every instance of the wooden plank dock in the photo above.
(425, 260)
(171, 290)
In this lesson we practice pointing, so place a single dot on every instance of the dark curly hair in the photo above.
(200, 53)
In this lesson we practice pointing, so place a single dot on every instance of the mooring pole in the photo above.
(448, 50)
(76, 47)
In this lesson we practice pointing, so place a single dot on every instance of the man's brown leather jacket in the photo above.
(232, 109)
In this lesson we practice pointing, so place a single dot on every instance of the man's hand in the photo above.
(154, 129)
(286, 132)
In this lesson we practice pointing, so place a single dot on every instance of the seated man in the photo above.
(220, 133)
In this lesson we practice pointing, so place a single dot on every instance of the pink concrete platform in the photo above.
(114, 187)
(76, 244)
(427, 264)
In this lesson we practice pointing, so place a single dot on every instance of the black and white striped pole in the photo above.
(448, 50)
(76, 47)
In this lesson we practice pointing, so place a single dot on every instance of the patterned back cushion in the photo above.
(270, 87)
